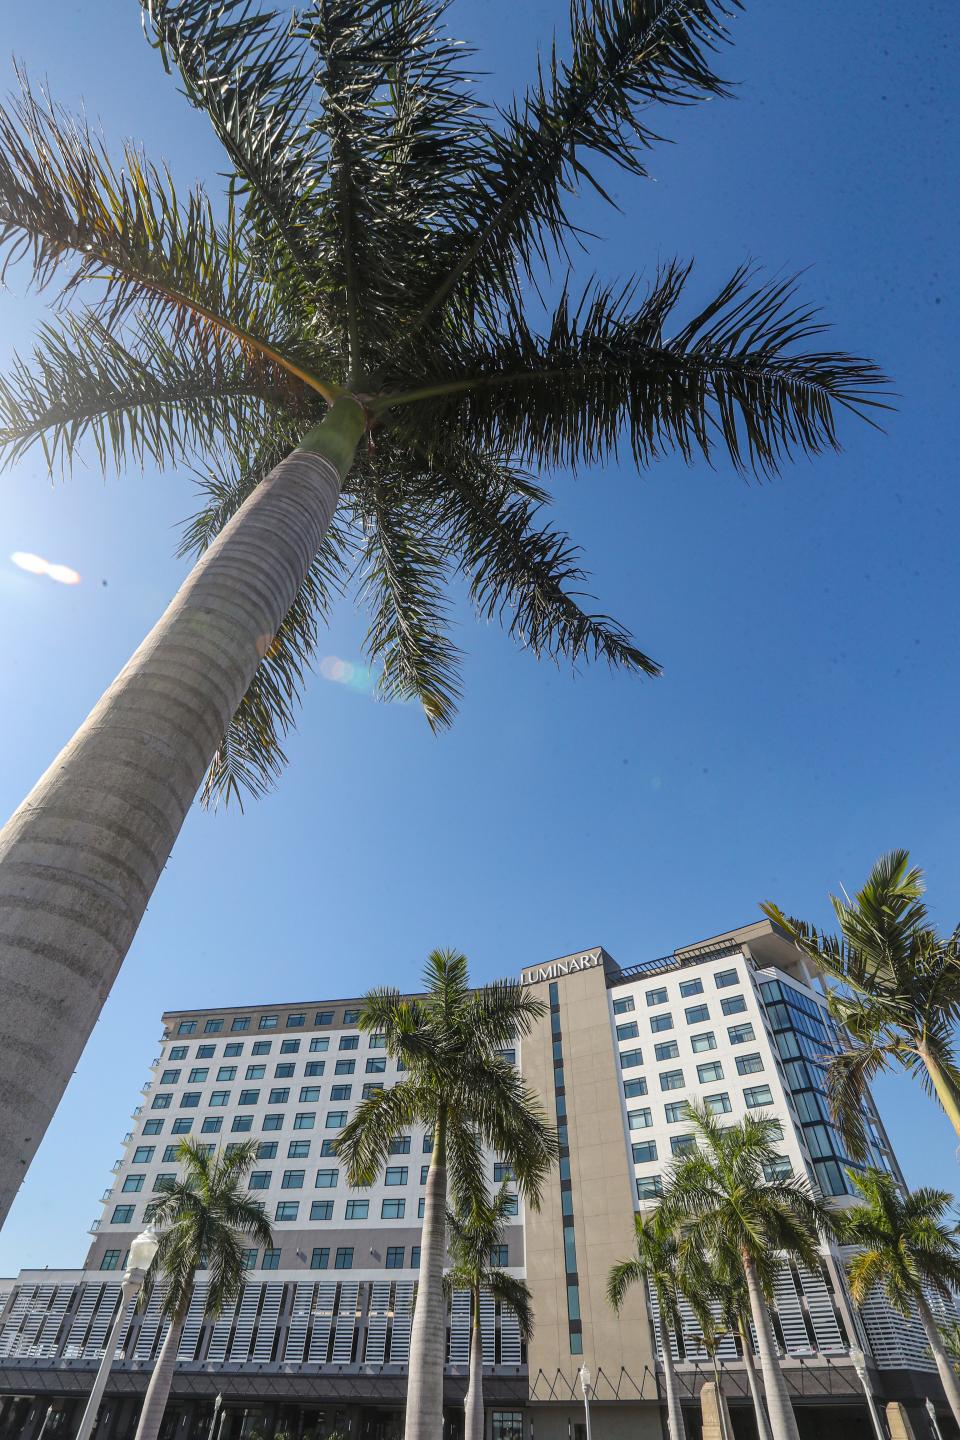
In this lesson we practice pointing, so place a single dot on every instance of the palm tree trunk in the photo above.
(675, 1423)
(783, 1424)
(945, 1370)
(943, 1090)
(424, 1415)
(763, 1425)
(158, 1390)
(473, 1404)
(81, 856)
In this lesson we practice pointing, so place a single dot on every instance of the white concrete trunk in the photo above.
(763, 1424)
(473, 1401)
(81, 856)
(424, 1414)
(948, 1376)
(674, 1409)
(783, 1424)
(158, 1390)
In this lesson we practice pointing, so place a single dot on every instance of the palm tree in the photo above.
(903, 1248)
(207, 1215)
(354, 350)
(472, 1237)
(951, 1343)
(721, 1190)
(467, 1096)
(655, 1263)
(716, 1283)
(897, 991)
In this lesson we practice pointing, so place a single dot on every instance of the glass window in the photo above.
(392, 1209)
(328, 1147)
(710, 1072)
(272, 1122)
(309, 1092)
(122, 1215)
(349, 1042)
(756, 1095)
(644, 1151)
(261, 1047)
(294, 1020)
(323, 1017)
(327, 1179)
(164, 1182)
(178, 1052)
(507, 1425)
(206, 1052)
(511, 1205)
(424, 1172)
(320, 1257)
(292, 1180)
(357, 1210)
(267, 1022)
(740, 1034)
(343, 1260)
(267, 1150)
(249, 1097)
(697, 1014)
(691, 987)
(630, 1058)
(171, 1153)
(633, 1089)
(749, 1064)
(778, 1169)
(248, 1259)
(628, 1030)
(345, 1067)
(183, 1126)
(289, 1047)
(190, 1100)
(723, 978)
(717, 1104)
(675, 1112)
(132, 1184)
(377, 1042)
(351, 1017)
(314, 1067)
(227, 1072)
(666, 1050)
(420, 1204)
(233, 1049)
(639, 1119)
(169, 1077)
(243, 1122)
(502, 1171)
(212, 1125)
(298, 1149)
(499, 1255)
(271, 1260)
(624, 1006)
(321, 1210)
(143, 1154)
(394, 1257)
(152, 1127)
(376, 1065)
(259, 1180)
(187, 1027)
(240, 1022)
(682, 1144)
(671, 1080)
(649, 1187)
(657, 997)
(733, 1005)
(284, 1072)
(198, 1074)
(220, 1097)
(661, 1022)
(255, 1072)
(400, 1145)
(287, 1209)
(370, 1088)
(335, 1120)
(706, 1040)
(111, 1260)
(212, 1027)
(395, 1175)
(576, 1343)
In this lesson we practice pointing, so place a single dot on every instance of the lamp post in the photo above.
(141, 1256)
(587, 1388)
(215, 1422)
(932, 1412)
(859, 1362)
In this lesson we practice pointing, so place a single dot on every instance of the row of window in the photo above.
(319, 1258)
(701, 1043)
(645, 1152)
(200, 1074)
(707, 1074)
(723, 979)
(755, 1097)
(294, 1021)
(693, 1014)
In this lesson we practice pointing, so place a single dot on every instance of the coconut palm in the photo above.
(472, 1236)
(205, 1215)
(467, 1095)
(904, 1248)
(720, 1189)
(655, 1263)
(367, 350)
(895, 989)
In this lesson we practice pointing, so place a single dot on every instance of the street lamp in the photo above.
(587, 1389)
(859, 1362)
(932, 1412)
(140, 1259)
(215, 1422)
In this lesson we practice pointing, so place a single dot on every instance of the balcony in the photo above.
(137, 1113)
(93, 1227)
(147, 1085)
(105, 1197)
(116, 1166)
(127, 1138)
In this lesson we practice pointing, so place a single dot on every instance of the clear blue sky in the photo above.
(807, 718)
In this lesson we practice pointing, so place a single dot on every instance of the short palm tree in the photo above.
(893, 983)
(467, 1095)
(206, 1216)
(472, 1236)
(655, 1263)
(720, 1190)
(367, 350)
(904, 1248)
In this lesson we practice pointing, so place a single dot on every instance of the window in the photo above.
(395, 1175)
(292, 1180)
(499, 1255)
(273, 1122)
(739, 1034)
(132, 1184)
(424, 1172)
(259, 1180)
(749, 1064)
(733, 1005)
(778, 1169)
(310, 1092)
(314, 1067)
(507, 1425)
(227, 1072)
(357, 1210)
(164, 1182)
(122, 1215)
(289, 1047)
(377, 1042)
(661, 1022)
(248, 1259)
(267, 1150)
(420, 1207)
(178, 1052)
(152, 1127)
(161, 1102)
(111, 1260)
(369, 1089)
(336, 1119)
(691, 987)
(261, 1047)
(321, 1210)
(717, 1104)
(279, 1095)
(394, 1257)
(502, 1171)
(319, 1043)
(628, 1030)
(287, 1209)
(190, 1100)
(630, 1058)
(624, 1006)
(723, 978)
(271, 1260)
(376, 1065)
(343, 1260)
(294, 1020)
(233, 1049)
(244, 1122)
(633, 1089)
(213, 1027)
(657, 997)
(392, 1209)
(428, 1144)
(171, 1154)
(639, 1119)
(671, 1080)
(697, 1014)
(350, 1017)
(183, 1126)
(254, 1072)
(710, 1072)
(252, 1097)
(345, 1067)
(327, 1179)
(328, 1147)
(757, 1095)
(400, 1145)
(206, 1052)
(212, 1125)
(169, 1077)
(644, 1151)
(284, 1072)
(349, 1042)
(649, 1187)
(187, 1027)
(320, 1258)
(298, 1149)
(240, 1022)
(682, 1144)
(511, 1205)
(220, 1097)
(666, 1050)
(675, 1111)
(706, 1040)
(323, 1017)
(267, 1022)
(143, 1154)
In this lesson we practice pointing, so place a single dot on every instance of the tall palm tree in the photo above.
(655, 1263)
(467, 1096)
(472, 1236)
(367, 349)
(721, 1190)
(206, 1216)
(903, 1247)
(896, 991)
(950, 1335)
(716, 1284)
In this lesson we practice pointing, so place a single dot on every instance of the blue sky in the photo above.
(808, 627)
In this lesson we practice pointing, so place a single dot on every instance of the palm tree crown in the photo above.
(389, 236)
(895, 990)
(472, 1236)
(903, 1244)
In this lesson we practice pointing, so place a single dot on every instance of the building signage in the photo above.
(536, 974)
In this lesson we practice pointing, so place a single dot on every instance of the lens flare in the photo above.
(36, 565)
(351, 673)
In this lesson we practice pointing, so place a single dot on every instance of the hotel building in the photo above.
(318, 1341)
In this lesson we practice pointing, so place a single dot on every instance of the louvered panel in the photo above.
(791, 1316)
(246, 1318)
(25, 1342)
(376, 1344)
(322, 1324)
(81, 1322)
(193, 1325)
(47, 1339)
(18, 1312)
(459, 1351)
(657, 1332)
(509, 1337)
(488, 1327)
(693, 1347)
(346, 1323)
(153, 1319)
(97, 1334)
(123, 1334)
(823, 1317)
(267, 1327)
(220, 1338)
(402, 1322)
(296, 1342)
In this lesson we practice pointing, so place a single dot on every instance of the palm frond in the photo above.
(364, 1142)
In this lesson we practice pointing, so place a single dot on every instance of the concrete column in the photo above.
(899, 1421)
(714, 1412)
